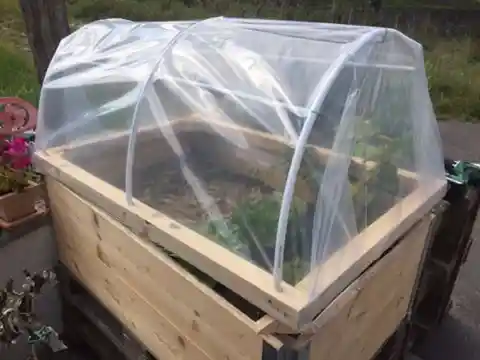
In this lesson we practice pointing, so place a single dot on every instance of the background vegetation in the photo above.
(445, 27)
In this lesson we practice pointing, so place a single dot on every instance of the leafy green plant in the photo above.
(380, 175)
(253, 223)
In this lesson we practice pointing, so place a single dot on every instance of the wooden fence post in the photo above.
(46, 23)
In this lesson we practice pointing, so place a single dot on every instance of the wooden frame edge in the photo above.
(365, 252)
(325, 308)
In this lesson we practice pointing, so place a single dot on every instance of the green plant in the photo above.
(253, 223)
(379, 175)
(251, 228)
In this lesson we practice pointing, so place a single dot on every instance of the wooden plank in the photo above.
(243, 138)
(136, 313)
(268, 325)
(253, 283)
(201, 315)
(118, 138)
(377, 303)
(111, 166)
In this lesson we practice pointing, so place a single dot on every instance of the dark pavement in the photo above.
(459, 336)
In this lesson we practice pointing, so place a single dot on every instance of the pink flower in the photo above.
(20, 163)
(16, 154)
(17, 147)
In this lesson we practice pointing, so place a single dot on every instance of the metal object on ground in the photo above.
(462, 172)
(17, 313)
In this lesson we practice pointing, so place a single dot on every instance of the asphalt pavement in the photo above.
(458, 338)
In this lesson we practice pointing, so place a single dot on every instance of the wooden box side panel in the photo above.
(364, 316)
(172, 313)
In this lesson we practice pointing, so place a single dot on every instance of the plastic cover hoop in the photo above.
(146, 84)
(323, 89)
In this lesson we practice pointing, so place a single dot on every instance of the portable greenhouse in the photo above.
(277, 158)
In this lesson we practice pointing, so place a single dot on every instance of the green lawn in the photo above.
(453, 66)
(17, 75)
(454, 77)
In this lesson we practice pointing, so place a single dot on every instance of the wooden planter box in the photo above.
(19, 207)
(113, 249)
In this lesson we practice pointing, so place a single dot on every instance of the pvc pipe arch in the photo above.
(322, 90)
(148, 82)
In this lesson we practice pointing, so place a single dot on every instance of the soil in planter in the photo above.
(167, 190)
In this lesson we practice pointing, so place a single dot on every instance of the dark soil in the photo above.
(167, 190)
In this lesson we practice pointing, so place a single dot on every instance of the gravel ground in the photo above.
(459, 336)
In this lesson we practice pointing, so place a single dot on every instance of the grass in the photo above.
(454, 77)
(17, 74)
(453, 65)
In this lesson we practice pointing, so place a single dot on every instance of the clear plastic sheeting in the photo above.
(281, 141)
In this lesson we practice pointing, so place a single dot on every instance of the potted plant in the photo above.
(20, 186)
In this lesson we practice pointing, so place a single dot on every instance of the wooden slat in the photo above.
(202, 317)
(364, 316)
(344, 266)
(161, 338)
(111, 165)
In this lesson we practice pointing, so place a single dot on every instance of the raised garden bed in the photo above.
(272, 178)
(176, 314)
(169, 210)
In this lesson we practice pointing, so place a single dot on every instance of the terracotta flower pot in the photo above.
(17, 205)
